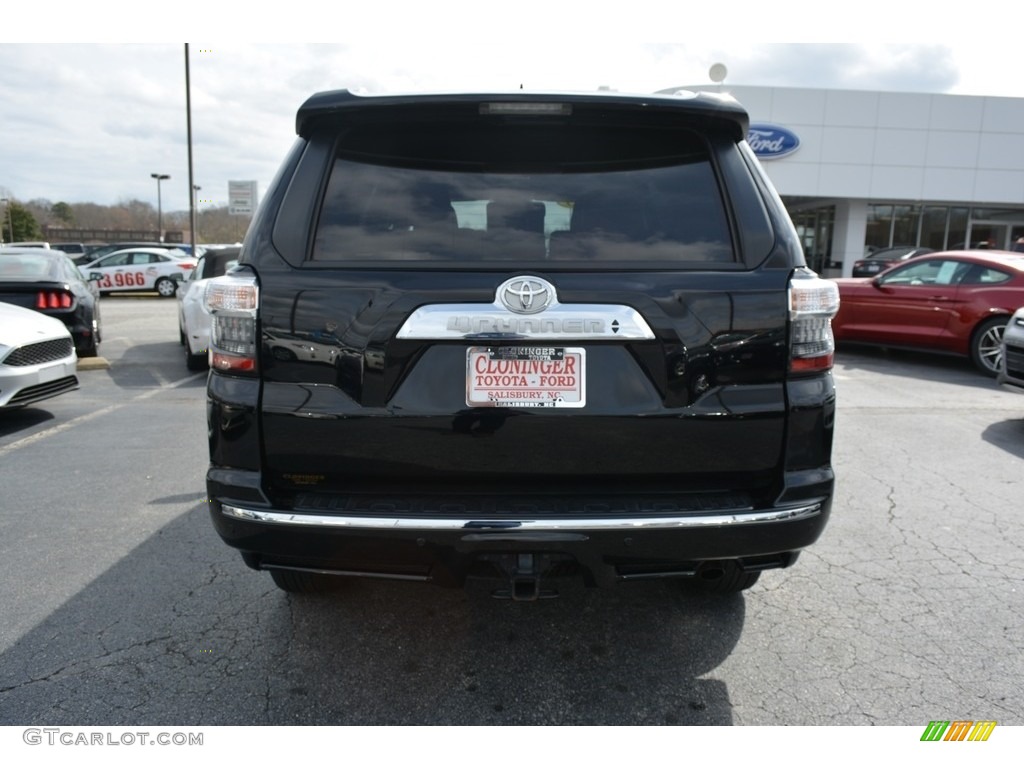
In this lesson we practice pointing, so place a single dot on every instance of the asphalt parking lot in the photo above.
(122, 607)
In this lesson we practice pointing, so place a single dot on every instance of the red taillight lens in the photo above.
(220, 361)
(54, 300)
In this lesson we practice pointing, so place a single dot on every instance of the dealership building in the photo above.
(863, 170)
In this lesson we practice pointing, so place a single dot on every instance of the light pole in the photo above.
(191, 177)
(195, 213)
(159, 204)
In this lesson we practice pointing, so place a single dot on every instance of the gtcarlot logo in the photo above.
(71, 738)
(958, 730)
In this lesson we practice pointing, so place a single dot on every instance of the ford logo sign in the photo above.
(771, 141)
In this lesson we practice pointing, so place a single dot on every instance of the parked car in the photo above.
(1012, 369)
(521, 335)
(955, 302)
(879, 261)
(37, 357)
(29, 244)
(141, 269)
(77, 252)
(99, 251)
(47, 281)
(193, 319)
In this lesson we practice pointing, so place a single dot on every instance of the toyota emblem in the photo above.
(526, 295)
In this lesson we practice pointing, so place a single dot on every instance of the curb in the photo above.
(93, 363)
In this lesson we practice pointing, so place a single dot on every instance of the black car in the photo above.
(77, 252)
(521, 336)
(49, 282)
(879, 261)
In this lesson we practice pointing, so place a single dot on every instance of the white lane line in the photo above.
(17, 444)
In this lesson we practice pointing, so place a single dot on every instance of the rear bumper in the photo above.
(463, 524)
(445, 550)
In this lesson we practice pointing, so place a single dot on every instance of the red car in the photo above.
(879, 261)
(956, 302)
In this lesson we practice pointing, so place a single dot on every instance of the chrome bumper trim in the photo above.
(574, 524)
(559, 322)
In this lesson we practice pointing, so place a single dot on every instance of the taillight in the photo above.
(54, 300)
(813, 303)
(232, 302)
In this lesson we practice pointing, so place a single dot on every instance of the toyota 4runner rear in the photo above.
(521, 336)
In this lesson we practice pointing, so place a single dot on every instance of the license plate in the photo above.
(526, 377)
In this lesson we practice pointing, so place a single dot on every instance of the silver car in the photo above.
(1012, 369)
(37, 357)
(193, 319)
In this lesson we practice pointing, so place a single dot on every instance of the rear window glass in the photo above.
(497, 196)
(25, 267)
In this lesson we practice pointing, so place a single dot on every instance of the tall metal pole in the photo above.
(159, 205)
(191, 181)
(195, 215)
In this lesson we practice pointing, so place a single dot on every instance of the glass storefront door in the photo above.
(988, 235)
(1017, 237)
(815, 229)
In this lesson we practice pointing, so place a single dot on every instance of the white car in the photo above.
(141, 269)
(1011, 369)
(37, 357)
(193, 319)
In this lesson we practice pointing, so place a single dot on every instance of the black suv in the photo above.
(521, 336)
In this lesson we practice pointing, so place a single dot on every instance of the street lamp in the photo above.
(159, 203)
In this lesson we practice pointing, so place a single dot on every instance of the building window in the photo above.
(879, 229)
(957, 236)
(904, 225)
(933, 227)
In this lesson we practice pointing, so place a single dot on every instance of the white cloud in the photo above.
(90, 122)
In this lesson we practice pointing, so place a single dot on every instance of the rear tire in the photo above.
(987, 345)
(195, 362)
(91, 347)
(90, 350)
(166, 287)
(303, 582)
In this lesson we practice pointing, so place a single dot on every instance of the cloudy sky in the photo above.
(90, 121)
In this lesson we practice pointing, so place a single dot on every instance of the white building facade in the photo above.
(879, 169)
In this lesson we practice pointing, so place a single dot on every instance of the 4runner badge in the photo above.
(526, 295)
